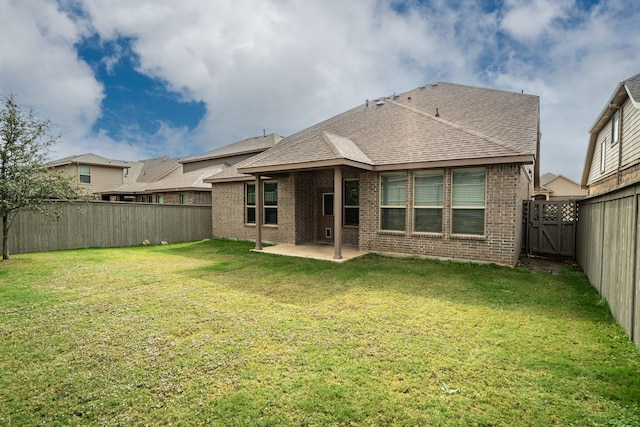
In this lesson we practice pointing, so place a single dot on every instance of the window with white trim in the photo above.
(393, 201)
(615, 128)
(468, 198)
(351, 202)
(603, 155)
(427, 201)
(184, 198)
(84, 173)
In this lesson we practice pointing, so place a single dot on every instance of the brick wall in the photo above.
(228, 216)
(298, 209)
(630, 174)
(501, 243)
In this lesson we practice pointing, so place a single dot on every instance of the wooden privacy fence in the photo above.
(608, 247)
(108, 224)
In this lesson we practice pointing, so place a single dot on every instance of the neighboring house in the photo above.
(559, 187)
(179, 180)
(439, 171)
(613, 156)
(163, 180)
(93, 173)
(608, 235)
(232, 153)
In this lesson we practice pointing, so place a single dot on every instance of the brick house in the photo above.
(613, 156)
(179, 180)
(439, 171)
(163, 180)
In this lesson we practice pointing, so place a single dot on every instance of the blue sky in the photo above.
(135, 79)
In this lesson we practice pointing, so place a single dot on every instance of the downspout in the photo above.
(620, 127)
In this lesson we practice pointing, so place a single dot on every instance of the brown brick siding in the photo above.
(228, 216)
(628, 175)
(500, 244)
(507, 187)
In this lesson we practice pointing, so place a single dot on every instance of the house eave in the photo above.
(520, 159)
(482, 161)
(293, 167)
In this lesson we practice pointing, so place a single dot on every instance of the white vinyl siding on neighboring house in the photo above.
(630, 135)
(393, 201)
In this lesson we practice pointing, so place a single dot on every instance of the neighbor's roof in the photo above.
(193, 180)
(432, 126)
(627, 89)
(90, 159)
(155, 169)
(549, 177)
(251, 145)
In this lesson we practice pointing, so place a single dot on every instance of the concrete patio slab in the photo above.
(313, 250)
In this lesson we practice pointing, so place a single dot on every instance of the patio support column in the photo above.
(259, 210)
(337, 213)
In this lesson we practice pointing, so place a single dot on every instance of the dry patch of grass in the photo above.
(209, 333)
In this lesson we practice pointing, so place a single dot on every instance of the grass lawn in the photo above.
(209, 333)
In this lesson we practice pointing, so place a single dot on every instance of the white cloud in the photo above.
(282, 65)
(526, 19)
(40, 64)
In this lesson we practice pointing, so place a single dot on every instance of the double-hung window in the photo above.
(270, 202)
(393, 201)
(85, 174)
(351, 202)
(468, 201)
(250, 203)
(427, 201)
(184, 198)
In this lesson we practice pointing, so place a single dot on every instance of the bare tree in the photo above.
(26, 183)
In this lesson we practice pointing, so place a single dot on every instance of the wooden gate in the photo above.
(550, 228)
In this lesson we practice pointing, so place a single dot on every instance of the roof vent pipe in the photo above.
(437, 113)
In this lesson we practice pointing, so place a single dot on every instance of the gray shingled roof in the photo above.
(155, 169)
(90, 159)
(193, 180)
(472, 123)
(633, 88)
(246, 146)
